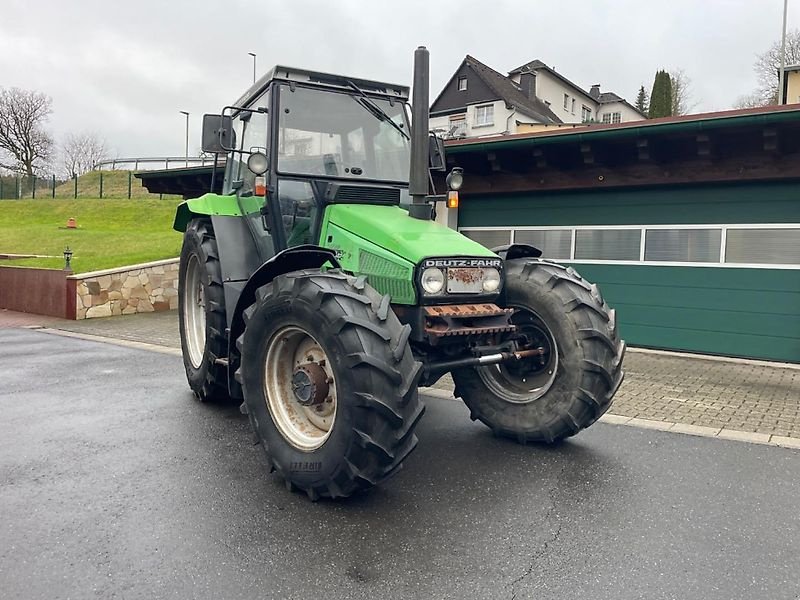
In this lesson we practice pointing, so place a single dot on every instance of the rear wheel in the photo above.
(329, 382)
(201, 308)
(572, 382)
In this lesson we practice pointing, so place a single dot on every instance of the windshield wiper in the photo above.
(375, 110)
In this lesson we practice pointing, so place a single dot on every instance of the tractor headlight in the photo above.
(491, 280)
(432, 280)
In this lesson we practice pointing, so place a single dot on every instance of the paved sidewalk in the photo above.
(693, 392)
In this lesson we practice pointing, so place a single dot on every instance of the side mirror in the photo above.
(436, 153)
(218, 134)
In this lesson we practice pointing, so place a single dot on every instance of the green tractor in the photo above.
(318, 290)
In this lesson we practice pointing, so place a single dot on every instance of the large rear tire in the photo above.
(201, 308)
(549, 398)
(329, 382)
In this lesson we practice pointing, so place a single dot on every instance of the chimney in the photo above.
(527, 83)
(595, 91)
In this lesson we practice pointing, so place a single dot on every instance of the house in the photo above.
(792, 84)
(478, 101)
(571, 103)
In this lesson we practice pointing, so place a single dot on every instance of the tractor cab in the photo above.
(298, 140)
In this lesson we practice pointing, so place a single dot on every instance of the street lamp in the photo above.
(254, 65)
(183, 112)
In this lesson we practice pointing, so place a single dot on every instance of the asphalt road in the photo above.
(114, 483)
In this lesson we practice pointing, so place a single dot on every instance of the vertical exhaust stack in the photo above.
(418, 176)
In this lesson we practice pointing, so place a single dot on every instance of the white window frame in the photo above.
(461, 120)
(586, 114)
(459, 82)
(489, 108)
(725, 227)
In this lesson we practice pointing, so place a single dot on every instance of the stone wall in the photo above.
(138, 288)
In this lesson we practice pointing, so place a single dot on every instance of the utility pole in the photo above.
(781, 98)
(254, 65)
(183, 112)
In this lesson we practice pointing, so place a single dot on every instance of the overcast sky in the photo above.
(125, 69)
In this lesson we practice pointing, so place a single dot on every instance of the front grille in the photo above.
(367, 194)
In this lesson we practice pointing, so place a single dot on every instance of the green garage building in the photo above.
(691, 225)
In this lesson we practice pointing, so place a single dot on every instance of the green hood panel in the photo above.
(391, 228)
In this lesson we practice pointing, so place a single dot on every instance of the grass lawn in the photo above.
(111, 233)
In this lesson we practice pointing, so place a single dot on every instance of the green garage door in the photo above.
(712, 269)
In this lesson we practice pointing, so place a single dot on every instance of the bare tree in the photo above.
(749, 101)
(682, 95)
(25, 146)
(768, 65)
(81, 152)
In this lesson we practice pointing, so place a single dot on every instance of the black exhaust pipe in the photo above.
(418, 175)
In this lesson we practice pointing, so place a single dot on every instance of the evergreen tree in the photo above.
(642, 101)
(661, 96)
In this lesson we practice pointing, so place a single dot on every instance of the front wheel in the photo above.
(201, 309)
(572, 382)
(329, 382)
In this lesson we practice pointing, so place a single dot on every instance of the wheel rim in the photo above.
(194, 312)
(527, 380)
(300, 388)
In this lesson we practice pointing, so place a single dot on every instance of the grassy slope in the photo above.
(111, 233)
(115, 185)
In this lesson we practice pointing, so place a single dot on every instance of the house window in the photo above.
(586, 114)
(573, 106)
(612, 117)
(566, 101)
(484, 115)
(462, 84)
(458, 126)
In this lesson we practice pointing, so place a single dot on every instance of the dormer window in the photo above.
(462, 84)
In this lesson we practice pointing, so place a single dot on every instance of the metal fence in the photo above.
(95, 184)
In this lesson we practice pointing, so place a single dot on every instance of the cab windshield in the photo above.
(334, 134)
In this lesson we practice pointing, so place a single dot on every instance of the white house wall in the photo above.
(626, 112)
(504, 121)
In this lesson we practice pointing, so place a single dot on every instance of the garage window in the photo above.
(490, 238)
(608, 244)
(554, 243)
(682, 245)
(763, 246)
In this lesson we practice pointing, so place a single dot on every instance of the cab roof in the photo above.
(327, 80)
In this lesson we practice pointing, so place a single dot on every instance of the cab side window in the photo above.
(298, 211)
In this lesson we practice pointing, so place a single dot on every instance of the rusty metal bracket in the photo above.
(466, 319)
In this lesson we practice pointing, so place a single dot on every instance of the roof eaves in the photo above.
(728, 118)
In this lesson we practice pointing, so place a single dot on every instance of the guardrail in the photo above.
(143, 163)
